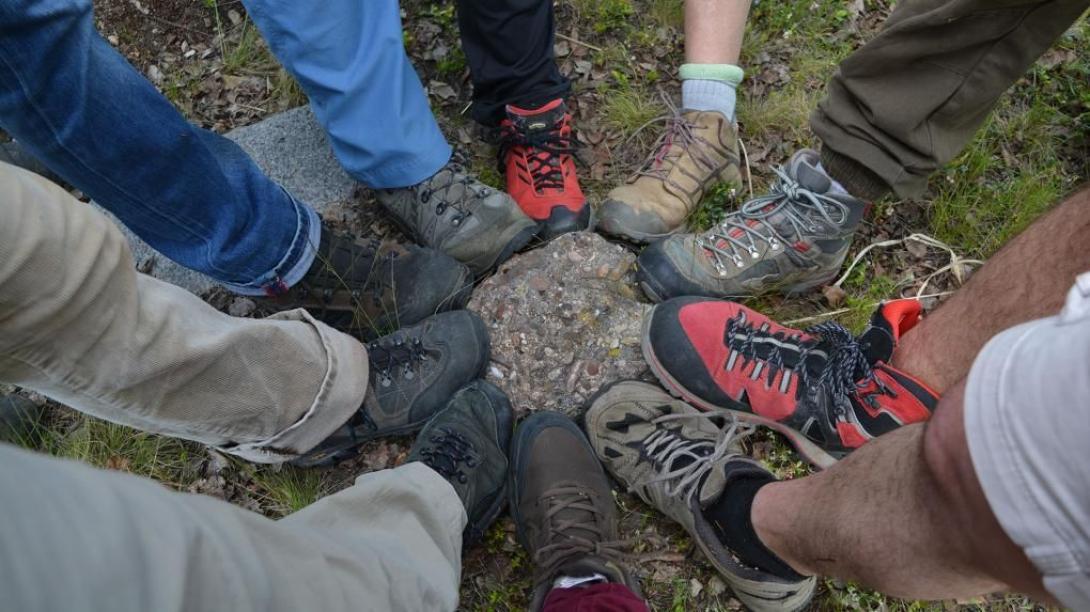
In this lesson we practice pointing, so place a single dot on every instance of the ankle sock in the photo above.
(710, 87)
(730, 519)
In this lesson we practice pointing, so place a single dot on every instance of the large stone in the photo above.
(564, 320)
(293, 150)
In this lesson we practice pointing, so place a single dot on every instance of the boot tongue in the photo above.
(888, 323)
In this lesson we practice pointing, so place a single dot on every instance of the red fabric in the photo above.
(601, 597)
(704, 324)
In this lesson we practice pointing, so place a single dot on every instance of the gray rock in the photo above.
(564, 320)
(293, 150)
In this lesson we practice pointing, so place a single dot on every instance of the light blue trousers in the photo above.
(349, 57)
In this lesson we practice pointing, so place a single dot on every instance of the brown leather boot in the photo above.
(563, 506)
(698, 151)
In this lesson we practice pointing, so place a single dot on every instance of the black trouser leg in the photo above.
(509, 48)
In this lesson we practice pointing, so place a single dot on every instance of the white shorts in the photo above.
(1027, 419)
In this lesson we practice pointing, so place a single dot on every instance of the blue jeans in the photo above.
(196, 197)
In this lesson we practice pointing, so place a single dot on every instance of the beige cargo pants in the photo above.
(77, 323)
(908, 101)
(80, 325)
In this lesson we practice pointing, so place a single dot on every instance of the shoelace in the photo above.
(442, 184)
(679, 133)
(664, 447)
(396, 358)
(450, 452)
(842, 370)
(565, 543)
(330, 279)
(544, 156)
(800, 207)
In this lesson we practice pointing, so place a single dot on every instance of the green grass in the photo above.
(628, 109)
(107, 445)
(289, 489)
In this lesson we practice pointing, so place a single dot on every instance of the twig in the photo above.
(840, 311)
(578, 42)
(924, 239)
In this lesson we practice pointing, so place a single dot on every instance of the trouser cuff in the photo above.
(342, 391)
(859, 180)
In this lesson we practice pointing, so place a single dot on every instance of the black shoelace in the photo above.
(546, 146)
(449, 454)
(395, 359)
(442, 187)
(836, 363)
(338, 265)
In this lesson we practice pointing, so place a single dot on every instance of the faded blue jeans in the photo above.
(74, 103)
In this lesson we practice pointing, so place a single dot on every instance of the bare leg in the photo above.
(713, 30)
(1026, 280)
(905, 515)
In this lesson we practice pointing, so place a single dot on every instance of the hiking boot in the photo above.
(467, 443)
(562, 506)
(535, 154)
(462, 217)
(698, 151)
(19, 418)
(680, 460)
(825, 390)
(366, 289)
(792, 240)
(412, 374)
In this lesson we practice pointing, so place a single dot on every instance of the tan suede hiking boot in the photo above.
(698, 151)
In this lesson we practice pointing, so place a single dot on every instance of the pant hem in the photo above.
(341, 394)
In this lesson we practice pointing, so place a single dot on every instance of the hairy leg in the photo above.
(713, 30)
(1026, 280)
(905, 514)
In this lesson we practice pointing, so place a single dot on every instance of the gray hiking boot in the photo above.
(792, 240)
(467, 443)
(462, 217)
(563, 506)
(413, 373)
(678, 460)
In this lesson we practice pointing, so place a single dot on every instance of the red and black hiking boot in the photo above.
(829, 392)
(536, 148)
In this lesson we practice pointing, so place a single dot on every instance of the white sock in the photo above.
(835, 185)
(708, 95)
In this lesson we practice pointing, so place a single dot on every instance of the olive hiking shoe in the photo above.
(792, 240)
(698, 151)
(366, 288)
(467, 444)
(462, 217)
(413, 373)
(563, 507)
(680, 461)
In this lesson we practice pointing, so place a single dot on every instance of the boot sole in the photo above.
(638, 237)
(811, 452)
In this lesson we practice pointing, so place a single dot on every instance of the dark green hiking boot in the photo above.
(413, 372)
(680, 461)
(792, 240)
(563, 506)
(467, 443)
(19, 418)
(462, 217)
(366, 289)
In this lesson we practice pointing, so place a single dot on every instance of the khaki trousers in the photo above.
(908, 101)
(80, 325)
(77, 538)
